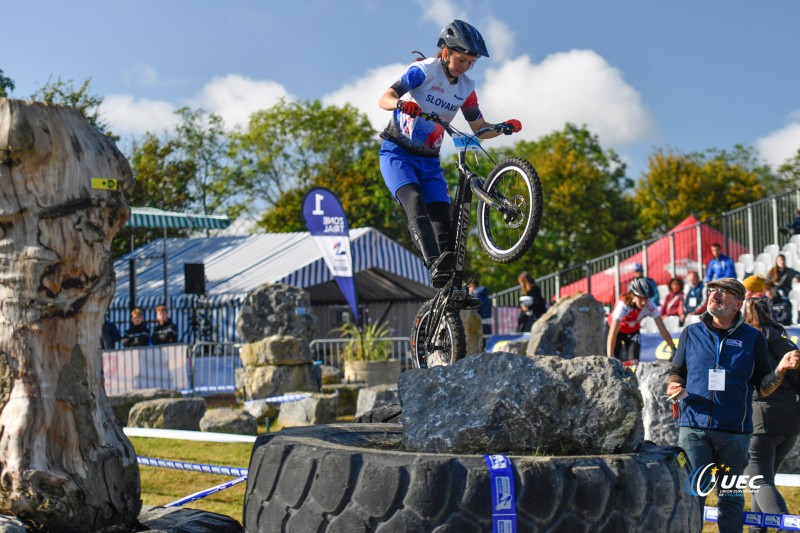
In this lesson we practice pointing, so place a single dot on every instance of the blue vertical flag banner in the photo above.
(327, 223)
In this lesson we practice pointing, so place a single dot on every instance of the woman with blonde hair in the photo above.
(776, 418)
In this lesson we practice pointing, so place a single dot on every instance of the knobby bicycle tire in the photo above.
(452, 341)
(515, 180)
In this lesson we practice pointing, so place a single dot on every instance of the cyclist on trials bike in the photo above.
(409, 153)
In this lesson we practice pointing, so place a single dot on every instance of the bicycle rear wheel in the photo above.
(449, 340)
(508, 233)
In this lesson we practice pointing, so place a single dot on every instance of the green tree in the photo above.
(704, 183)
(162, 181)
(789, 172)
(203, 143)
(64, 92)
(294, 145)
(585, 211)
(6, 85)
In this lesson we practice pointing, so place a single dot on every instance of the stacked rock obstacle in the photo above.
(568, 433)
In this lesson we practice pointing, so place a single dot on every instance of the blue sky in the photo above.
(683, 74)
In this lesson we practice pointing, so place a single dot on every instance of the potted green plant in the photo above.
(366, 354)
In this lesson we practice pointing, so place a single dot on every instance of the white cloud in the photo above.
(780, 145)
(365, 92)
(499, 39)
(235, 97)
(129, 116)
(440, 12)
(578, 86)
(142, 75)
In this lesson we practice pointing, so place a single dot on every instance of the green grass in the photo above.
(161, 485)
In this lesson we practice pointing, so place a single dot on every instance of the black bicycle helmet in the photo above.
(640, 287)
(463, 37)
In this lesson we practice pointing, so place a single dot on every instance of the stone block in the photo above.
(276, 350)
(316, 409)
(572, 327)
(228, 420)
(169, 413)
(348, 396)
(257, 382)
(371, 397)
(121, 404)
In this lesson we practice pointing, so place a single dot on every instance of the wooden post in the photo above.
(65, 464)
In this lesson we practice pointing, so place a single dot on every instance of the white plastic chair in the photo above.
(739, 266)
(795, 309)
(691, 319)
(795, 239)
(765, 258)
(773, 250)
(648, 325)
(760, 268)
(663, 290)
(790, 248)
(747, 261)
(790, 259)
(672, 323)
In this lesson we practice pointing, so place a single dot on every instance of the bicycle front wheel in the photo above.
(508, 232)
(441, 344)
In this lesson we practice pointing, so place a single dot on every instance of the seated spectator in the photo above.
(109, 336)
(694, 303)
(753, 286)
(673, 302)
(138, 334)
(720, 266)
(781, 275)
(165, 332)
(527, 316)
(794, 227)
(781, 307)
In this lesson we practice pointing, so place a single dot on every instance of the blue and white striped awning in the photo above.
(150, 217)
(237, 265)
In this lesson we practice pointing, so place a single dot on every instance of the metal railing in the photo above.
(747, 229)
(331, 351)
(200, 369)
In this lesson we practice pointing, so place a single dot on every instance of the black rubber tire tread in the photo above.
(385, 414)
(528, 174)
(359, 479)
(458, 337)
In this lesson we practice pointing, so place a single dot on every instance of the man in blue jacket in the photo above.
(719, 362)
(720, 266)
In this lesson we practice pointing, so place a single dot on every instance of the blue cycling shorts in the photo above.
(401, 168)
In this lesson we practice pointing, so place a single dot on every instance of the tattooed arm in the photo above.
(773, 380)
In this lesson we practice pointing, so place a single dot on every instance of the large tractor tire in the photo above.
(355, 477)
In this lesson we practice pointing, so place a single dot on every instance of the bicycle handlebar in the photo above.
(434, 117)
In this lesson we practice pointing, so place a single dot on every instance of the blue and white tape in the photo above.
(207, 492)
(504, 503)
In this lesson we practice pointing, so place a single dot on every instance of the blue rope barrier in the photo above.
(207, 492)
(194, 467)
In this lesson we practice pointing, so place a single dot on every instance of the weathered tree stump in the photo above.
(65, 464)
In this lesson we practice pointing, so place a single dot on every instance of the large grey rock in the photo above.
(276, 350)
(511, 404)
(10, 524)
(228, 420)
(316, 409)
(183, 520)
(659, 426)
(371, 397)
(256, 382)
(121, 404)
(348, 396)
(168, 413)
(572, 327)
(275, 309)
(473, 329)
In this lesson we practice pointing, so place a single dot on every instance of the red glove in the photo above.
(412, 109)
(515, 125)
